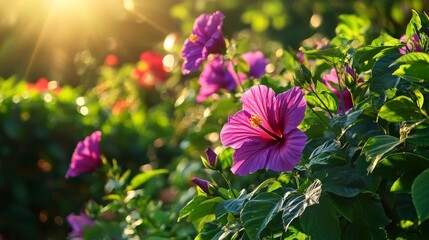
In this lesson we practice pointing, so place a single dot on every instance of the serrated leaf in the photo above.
(377, 147)
(142, 178)
(420, 195)
(258, 212)
(400, 109)
(413, 57)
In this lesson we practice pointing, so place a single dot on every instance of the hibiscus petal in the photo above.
(251, 156)
(238, 130)
(259, 100)
(286, 155)
(290, 109)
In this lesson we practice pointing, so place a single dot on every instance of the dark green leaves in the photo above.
(377, 147)
(420, 195)
(258, 212)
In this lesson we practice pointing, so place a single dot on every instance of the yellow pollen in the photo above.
(193, 38)
(255, 120)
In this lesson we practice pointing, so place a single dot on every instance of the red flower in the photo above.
(111, 60)
(149, 70)
(43, 85)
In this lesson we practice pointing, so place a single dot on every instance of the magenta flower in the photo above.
(257, 63)
(217, 74)
(412, 45)
(86, 156)
(206, 38)
(264, 134)
(77, 223)
(331, 81)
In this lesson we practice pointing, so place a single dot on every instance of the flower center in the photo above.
(193, 38)
(256, 121)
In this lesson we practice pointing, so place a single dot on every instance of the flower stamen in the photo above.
(256, 121)
(193, 38)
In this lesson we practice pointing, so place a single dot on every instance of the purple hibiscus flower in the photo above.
(257, 63)
(86, 156)
(217, 74)
(412, 45)
(206, 38)
(264, 134)
(77, 223)
(331, 81)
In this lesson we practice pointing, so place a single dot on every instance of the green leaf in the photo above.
(211, 230)
(331, 55)
(324, 98)
(321, 222)
(371, 211)
(382, 78)
(377, 147)
(345, 206)
(191, 206)
(420, 195)
(415, 72)
(323, 153)
(347, 120)
(403, 184)
(204, 208)
(142, 178)
(233, 206)
(395, 165)
(344, 181)
(413, 25)
(258, 212)
(400, 109)
(413, 57)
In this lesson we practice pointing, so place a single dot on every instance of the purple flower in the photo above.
(211, 156)
(264, 134)
(257, 63)
(413, 44)
(203, 184)
(331, 81)
(86, 156)
(77, 223)
(206, 38)
(217, 74)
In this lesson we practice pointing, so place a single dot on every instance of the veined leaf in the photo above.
(344, 181)
(377, 147)
(382, 78)
(231, 205)
(400, 109)
(258, 212)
